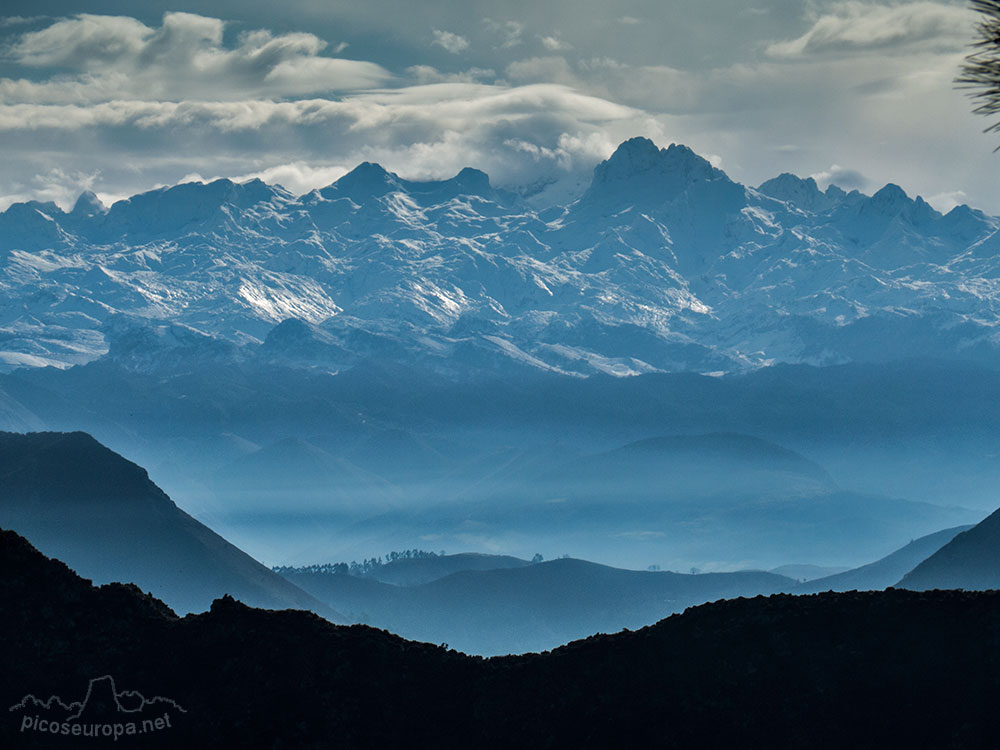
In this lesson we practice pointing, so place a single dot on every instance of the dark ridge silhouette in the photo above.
(887, 571)
(80, 501)
(860, 670)
(969, 561)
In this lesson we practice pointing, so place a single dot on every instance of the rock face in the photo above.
(663, 263)
(76, 499)
(872, 670)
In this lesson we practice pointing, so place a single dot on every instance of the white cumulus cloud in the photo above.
(450, 42)
(116, 57)
(555, 44)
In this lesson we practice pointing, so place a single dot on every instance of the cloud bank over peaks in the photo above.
(535, 96)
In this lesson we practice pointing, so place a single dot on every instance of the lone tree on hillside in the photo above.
(981, 70)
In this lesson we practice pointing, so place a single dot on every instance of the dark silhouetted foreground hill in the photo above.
(78, 501)
(869, 670)
(529, 607)
(887, 571)
(969, 561)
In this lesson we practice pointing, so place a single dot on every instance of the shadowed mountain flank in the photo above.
(887, 571)
(969, 561)
(75, 499)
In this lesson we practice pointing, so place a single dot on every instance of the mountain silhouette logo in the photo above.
(105, 712)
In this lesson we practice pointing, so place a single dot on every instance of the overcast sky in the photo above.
(121, 97)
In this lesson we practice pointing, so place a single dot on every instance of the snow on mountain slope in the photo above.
(664, 263)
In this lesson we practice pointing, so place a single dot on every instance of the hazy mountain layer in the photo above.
(415, 571)
(723, 500)
(527, 608)
(289, 463)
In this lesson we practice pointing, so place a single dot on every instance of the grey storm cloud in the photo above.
(108, 96)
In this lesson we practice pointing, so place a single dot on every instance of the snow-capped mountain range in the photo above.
(664, 263)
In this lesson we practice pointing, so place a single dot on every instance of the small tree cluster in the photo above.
(411, 554)
(355, 568)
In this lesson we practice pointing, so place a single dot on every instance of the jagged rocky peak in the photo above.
(367, 180)
(800, 192)
(171, 209)
(255, 191)
(835, 192)
(468, 182)
(891, 198)
(29, 208)
(789, 183)
(640, 174)
(88, 205)
(473, 181)
(967, 223)
(640, 156)
(892, 201)
(804, 193)
(963, 212)
(223, 191)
